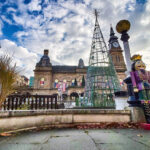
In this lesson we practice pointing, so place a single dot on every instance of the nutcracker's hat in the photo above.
(136, 57)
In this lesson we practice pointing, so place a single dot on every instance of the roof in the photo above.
(65, 69)
(44, 61)
(25, 78)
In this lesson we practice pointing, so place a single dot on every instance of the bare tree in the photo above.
(8, 74)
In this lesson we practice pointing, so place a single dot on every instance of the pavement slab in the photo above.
(19, 146)
(108, 136)
(74, 139)
(129, 146)
(141, 136)
(30, 138)
(74, 142)
(119, 139)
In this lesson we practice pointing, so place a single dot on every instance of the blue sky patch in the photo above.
(27, 1)
(9, 31)
(141, 1)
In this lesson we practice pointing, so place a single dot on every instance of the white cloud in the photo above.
(51, 33)
(54, 11)
(24, 59)
(21, 34)
(68, 35)
(10, 10)
(6, 20)
(34, 5)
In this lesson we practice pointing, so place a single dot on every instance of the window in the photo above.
(64, 80)
(72, 83)
(117, 58)
(56, 83)
(42, 81)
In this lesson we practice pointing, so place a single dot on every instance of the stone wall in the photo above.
(45, 73)
(12, 120)
(68, 77)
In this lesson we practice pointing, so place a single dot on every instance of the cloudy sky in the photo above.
(65, 27)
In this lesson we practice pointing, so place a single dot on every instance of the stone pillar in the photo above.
(137, 115)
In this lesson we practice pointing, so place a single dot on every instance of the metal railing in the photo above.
(30, 102)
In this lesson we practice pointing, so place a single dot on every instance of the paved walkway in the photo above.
(74, 139)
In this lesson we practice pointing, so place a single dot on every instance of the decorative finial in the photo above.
(96, 13)
(46, 52)
(111, 30)
(123, 26)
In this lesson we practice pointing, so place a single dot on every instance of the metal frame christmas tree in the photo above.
(101, 81)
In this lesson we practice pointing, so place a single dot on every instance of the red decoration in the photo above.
(145, 126)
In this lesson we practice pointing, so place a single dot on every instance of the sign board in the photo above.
(146, 108)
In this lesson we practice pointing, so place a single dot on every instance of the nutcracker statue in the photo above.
(140, 78)
(141, 86)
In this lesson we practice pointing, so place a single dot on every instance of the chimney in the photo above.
(46, 52)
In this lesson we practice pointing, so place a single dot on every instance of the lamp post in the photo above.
(123, 27)
(137, 113)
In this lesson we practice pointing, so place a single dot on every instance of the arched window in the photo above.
(74, 95)
(117, 58)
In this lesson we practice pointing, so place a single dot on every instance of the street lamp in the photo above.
(123, 27)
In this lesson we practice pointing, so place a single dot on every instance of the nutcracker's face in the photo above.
(139, 65)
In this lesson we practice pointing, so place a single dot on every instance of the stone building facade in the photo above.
(67, 80)
(49, 79)
(21, 81)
